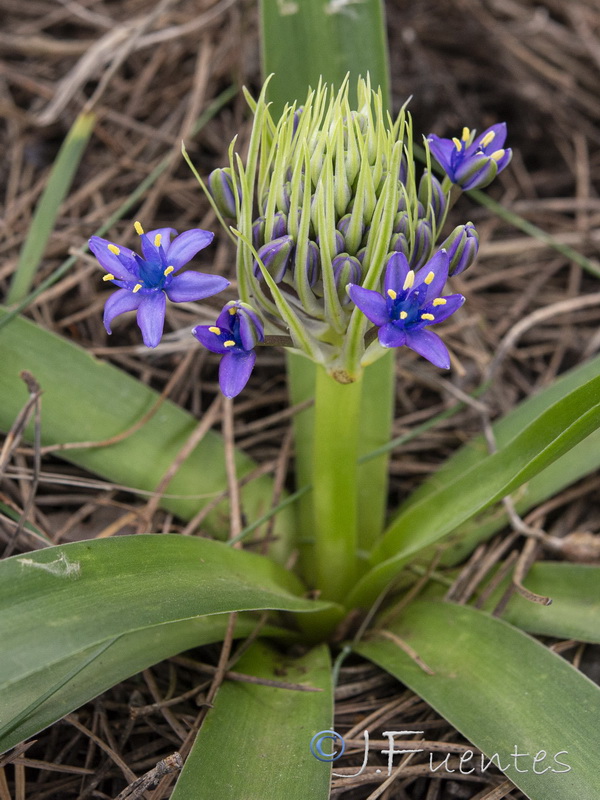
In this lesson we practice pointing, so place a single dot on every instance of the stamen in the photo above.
(229, 343)
(157, 240)
(457, 144)
(114, 249)
(490, 136)
(439, 301)
(429, 278)
(138, 228)
(169, 270)
(497, 155)
(403, 315)
(466, 134)
(409, 280)
(136, 288)
(232, 310)
(392, 294)
(427, 316)
(214, 329)
(109, 277)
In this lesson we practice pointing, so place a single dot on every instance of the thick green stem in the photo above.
(335, 495)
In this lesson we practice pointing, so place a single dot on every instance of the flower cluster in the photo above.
(335, 230)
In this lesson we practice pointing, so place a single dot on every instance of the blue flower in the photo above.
(147, 282)
(471, 162)
(234, 335)
(409, 303)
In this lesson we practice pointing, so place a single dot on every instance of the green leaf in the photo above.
(549, 435)
(501, 690)
(575, 609)
(39, 699)
(304, 40)
(255, 742)
(70, 604)
(85, 399)
(57, 186)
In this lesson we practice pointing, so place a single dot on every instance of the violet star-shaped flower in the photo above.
(409, 303)
(145, 282)
(234, 335)
(472, 162)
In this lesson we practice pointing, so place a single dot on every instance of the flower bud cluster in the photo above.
(325, 198)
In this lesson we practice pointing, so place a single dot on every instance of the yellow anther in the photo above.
(429, 278)
(427, 316)
(136, 288)
(457, 144)
(214, 329)
(409, 280)
(403, 315)
(466, 134)
(439, 301)
(157, 240)
(232, 310)
(109, 277)
(392, 294)
(497, 155)
(138, 228)
(229, 343)
(114, 249)
(169, 270)
(489, 137)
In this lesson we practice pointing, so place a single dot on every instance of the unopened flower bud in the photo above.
(258, 232)
(399, 244)
(312, 264)
(275, 256)
(279, 225)
(437, 200)
(346, 269)
(422, 245)
(220, 184)
(462, 246)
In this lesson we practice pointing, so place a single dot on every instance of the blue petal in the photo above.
(112, 263)
(392, 335)
(185, 246)
(372, 304)
(395, 273)
(497, 142)
(438, 264)
(118, 303)
(442, 150)
(151, 317)
(192, 285)
(211, 340)
(234, 372)
(251, 328)
(452, 304)
(430, 346)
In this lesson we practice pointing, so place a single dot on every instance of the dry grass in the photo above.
(149, 69)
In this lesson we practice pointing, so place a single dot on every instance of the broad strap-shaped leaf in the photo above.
(255, 742)
(306, 40)
(38, 699)
(85, 399)
(553, 432)
(502, 690)
(505, 429)
(72, 603)
(575, 609)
